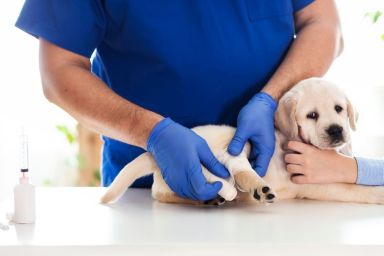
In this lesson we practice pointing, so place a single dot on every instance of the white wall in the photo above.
(359, 71)
(22, 103)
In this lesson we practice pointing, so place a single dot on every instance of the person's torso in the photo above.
(195, 61)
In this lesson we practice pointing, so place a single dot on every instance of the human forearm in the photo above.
(318, 42)
(346, 170)
(70, 84)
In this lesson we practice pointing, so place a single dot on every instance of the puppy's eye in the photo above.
(338, 108)
(313, 115)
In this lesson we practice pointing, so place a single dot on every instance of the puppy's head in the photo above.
(316, 112)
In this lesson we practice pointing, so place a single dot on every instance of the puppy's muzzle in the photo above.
(335, 133)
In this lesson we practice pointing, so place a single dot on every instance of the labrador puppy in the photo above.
(314, 111)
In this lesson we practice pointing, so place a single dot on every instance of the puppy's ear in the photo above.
(285, 117)
(352, 115)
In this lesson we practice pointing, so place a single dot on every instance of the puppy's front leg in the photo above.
(246, 179)
(342, 193)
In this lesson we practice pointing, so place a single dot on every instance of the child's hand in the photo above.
(313, 165)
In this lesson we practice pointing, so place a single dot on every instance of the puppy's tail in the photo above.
(141, 166)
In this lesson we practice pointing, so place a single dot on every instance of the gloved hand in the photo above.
(256, 123)
(179, 153)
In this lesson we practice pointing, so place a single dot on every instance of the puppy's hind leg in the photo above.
(227, 192)
(162, 193)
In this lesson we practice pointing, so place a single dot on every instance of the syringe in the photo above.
(23, 152)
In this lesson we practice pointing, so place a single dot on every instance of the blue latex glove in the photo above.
(256, 123)
(179, 153)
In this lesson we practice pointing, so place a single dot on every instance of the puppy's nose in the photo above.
(335, 132)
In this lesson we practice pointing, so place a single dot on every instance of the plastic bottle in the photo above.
(24, 197)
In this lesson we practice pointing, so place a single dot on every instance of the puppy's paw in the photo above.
(249, 182)
(264, 194)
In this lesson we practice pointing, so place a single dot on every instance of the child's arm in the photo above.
(328, 166)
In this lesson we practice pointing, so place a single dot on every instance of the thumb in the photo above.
(210, 191)
(201, 189)
(260, 165)
(237, 143)
(211, 163)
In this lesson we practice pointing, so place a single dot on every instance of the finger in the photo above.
(237, 143)
(295, 169)
(293, 159)
(298, 146)
(253, 154)
(299, 179)
(203, 190)
(211, 163)
(252, 160)
(262, 161)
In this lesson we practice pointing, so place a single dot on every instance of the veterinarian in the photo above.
(328, 166)
(162, 67)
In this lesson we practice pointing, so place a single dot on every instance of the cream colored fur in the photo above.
(291, 123)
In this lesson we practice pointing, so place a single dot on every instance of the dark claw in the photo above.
(220, 201)
(256, 195)
(265, 189)
(216, 201)
(270, 196)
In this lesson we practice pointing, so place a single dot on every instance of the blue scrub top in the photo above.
(196, 61)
